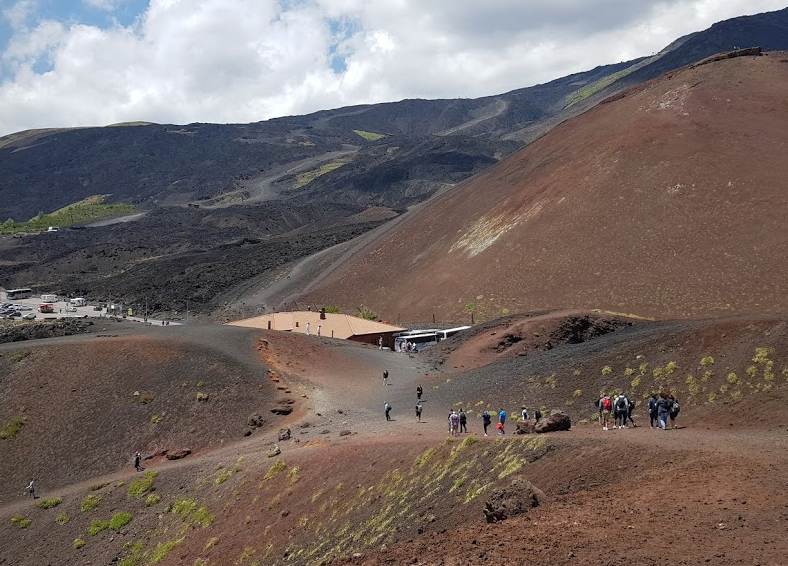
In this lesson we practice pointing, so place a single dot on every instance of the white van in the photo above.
(48, 298)
(78, 302)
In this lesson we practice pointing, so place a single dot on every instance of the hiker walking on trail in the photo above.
(380, 343)
(630, 410)
(605, 405)
(663, 410)
(419, 392)
(138, 461)
(501, 421)
(31, 489)
(652, 411)
(418, 411)
(524, 414)
(537, 415)
(674, 411)
(454, 423)
(387, 409)
(620, 410)
(486, 420)
(385, 377)
(463, 421)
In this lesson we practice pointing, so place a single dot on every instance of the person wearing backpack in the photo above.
(418, 411)
(524, 414)
(675, 408)
(620, 410)
(652, 411)
(537, 415)
(387, 409)
(502, 421)
(663, 410)
(605, 408)
(463, 421)
(630, 410)
(486, 420)
(419, 392)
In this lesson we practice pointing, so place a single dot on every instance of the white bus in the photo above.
(14, 294)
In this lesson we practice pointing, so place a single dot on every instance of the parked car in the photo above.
(29, 316)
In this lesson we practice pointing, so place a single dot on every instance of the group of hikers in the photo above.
(663, 410)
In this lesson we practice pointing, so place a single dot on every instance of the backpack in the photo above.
(455, 419)
(652, 405)
(621, 403)
(674, 410)
(486, 417)
(537, 414)
(607, 404)
(463, 417)
(596, 403)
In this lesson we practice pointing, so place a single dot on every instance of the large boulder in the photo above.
(525, 427)
(555, 422)
(282, 410)
(515, 499)
(178, 454)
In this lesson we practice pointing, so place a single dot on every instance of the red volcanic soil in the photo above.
(668, 201)
(89, 403)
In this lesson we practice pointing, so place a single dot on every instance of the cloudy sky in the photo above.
(96, 62)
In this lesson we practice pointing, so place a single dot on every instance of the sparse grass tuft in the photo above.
(20, 522)
(12, 428)
(275, 469)
(89, 503)
(222, 476)
(120, 520)
(707, 361)
(78, 543)
(62, 518)
(49, 502)
(294, 474)
(607, 370)
(155, 419)
(191, 512)
(163, 549)
(97, 526)
(202, 396)
(151, 500)
(141, 486)
(136, 556)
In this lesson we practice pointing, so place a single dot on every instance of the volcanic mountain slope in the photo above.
(348, 482)
(668, 200)
(83, 405)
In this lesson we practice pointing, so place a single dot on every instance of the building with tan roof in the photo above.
(331, 325)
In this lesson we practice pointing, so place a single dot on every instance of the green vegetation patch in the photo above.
(275, 469)
(78, 543)
(12, 428)
(303, 179)
(141, 486)
(151, 500)
(87, 210)
(62, 518)
(97, 526)
(120, 520)
(163, 549)
(89, 503)
(49, 502)
(369, 136)
(595, 87)
(20, 522)
(192, 512)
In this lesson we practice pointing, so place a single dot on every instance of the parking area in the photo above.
(61, 308)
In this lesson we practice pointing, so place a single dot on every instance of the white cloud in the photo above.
(19, 13)
(247, 60)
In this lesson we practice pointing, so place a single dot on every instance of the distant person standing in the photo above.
(652, 411)
(385, 377)
(524, 414)
(31, 489)
(419, 392)
(380, 343)
(319, 328)
(486, 420)
(621, 410)
(454, 423)
(463, 421)
(630, 410)
(308, 329)
(418, 411)
(138, 461)
(387, 409)
(605, 404)
(537, 415)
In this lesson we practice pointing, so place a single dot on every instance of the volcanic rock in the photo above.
(178, 454)
(284, 434)
(555, 422)
(515, 499)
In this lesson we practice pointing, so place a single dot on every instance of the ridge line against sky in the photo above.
(95, 62)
